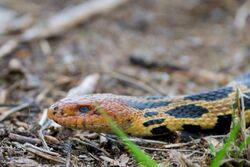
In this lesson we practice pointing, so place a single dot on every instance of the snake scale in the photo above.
(154, 115)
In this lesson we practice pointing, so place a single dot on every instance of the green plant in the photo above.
(140, 156)
(222, 152)
(238, 125)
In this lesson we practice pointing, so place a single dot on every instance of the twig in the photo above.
(27, 145)
(134, 139)
(13, 110)
(44, 123)
(154, 148)
(176, 145)
(44, 153)
(191, 142)
(140, 140)
(94, 157)
(166, 150)
(24, 139)
(91, 145)
(166, 146)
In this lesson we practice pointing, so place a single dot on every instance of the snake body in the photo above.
(153, 115)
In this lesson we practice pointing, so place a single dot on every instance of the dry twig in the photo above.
(13, 110)
(91, 145)
(24, 139)
(44, 153)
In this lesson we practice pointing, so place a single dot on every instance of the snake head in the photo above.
(85, 112)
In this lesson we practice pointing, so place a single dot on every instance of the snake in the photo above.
(146, 116)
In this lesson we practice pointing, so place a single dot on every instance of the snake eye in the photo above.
(84, 109)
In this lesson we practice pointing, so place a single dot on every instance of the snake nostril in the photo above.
(55, 108)
(54, 113)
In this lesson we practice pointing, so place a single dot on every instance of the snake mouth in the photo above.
(60, 115)
(74, 122)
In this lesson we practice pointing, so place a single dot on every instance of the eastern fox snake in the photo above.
(153, 115)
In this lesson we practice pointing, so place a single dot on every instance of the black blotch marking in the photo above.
(150, 114)
(160, 130)
(212, 95)
(149, 104)
(222, 126)
(247, 101)
(153, 122)
(191, 128)
(55, 108)
(187, 111)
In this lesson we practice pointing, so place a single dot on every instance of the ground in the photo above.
(188, 47)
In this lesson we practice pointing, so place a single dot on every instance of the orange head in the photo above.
(83, 112)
